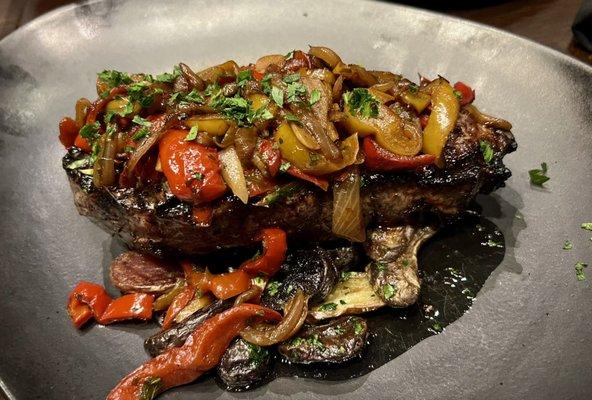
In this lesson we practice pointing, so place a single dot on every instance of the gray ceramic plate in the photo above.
(528, 333)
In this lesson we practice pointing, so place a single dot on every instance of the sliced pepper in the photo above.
(130, 306)
(201, 352)
(93, 296)
(467, 95)
(320, 182)
(442, 120)
(225, 286)
(68, 131)
(274, 252)
(379, 159)
(191, 169)
(270, 155)
(179, 303)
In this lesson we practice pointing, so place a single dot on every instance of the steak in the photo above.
(150, 219)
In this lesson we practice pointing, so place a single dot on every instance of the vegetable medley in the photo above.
(260, 129)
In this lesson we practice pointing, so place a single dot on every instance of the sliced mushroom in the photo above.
(243, 365)
(338, 341)
(393, 274)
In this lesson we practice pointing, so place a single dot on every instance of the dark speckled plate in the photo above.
(528, 334)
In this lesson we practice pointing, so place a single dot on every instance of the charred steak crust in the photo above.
(151, 219)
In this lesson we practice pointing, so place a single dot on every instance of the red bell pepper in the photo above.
(225, 286)
(179, 303)
(88, 294)
(68, 131)
(379, 159)
(320, 182)
(274, 252)
(191, 169)
(82, 144)
(130, 306)
(271, 156)
(467, 95)
(201, 352)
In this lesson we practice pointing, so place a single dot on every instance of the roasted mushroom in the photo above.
(244, 365)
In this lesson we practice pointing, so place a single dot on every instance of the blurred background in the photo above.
(548, 22)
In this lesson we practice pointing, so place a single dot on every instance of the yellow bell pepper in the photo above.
(214, 125)
(309, 161)
(118, 106)
(442, 120)
(388, 129)
(417, 100)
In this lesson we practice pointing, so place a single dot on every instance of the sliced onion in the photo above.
(82, 107)
(488, 119)
(104, 167)
(294, 315)
(251, 295)
(195, 82)
(348, 221)
(304, 137)
(315, 128)
(325, 54)
(265, 61)
(233, 174)
(338, 88)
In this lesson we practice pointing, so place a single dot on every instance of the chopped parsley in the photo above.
(437, 327)
(342, 302)
(194, 97)
(165, 78)
(192, 135)
(315, 96)
(277, 95)
(290, 55)
(567, 245)
(328, 307)
(413, 88)
(151, 387)
(388, 290)
(295, 92)
(587, 226)
(458, 94)
(272, 288)
(141, 133)
(315, 342)
(346, 275)
(487, 151)
(492, 243)
(579, 267)
(91, 132)
(82, 163)
(240, 109)
(339, 330)
(291, 78)
(266, 83)
(138, 93)
(361, 102)
(141, 121)
(285, 166)
(257, 354)
(313, 158)
(243, 77)
(358, 327)
(114, 78)
(405, 262)
(292, 118)
(539, 176)
(381, 267)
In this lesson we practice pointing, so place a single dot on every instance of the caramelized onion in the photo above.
(326, 54)
(104, 167)
(488, 120)
(294, 315)
(348, 221)
(314, 127)
(250, 296)
(82, 107)
(194, 81)
(233, 173)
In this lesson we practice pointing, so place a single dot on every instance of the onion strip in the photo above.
(348, 221)
(233, 173)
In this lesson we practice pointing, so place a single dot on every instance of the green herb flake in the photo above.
(437, 327)
(198, 176)
(257, 354)
(277, 95)
(567, 245)
(492, 243)
(165, 78)
(587, 226)
(82, 163)
(291, 78)
(358, 327)
(114, 78)
(346, 275)
(192, 135)
(194, 97)
(539, 176)
(294, 92)
(272, 288)
(360, 101)
(296, 342)
(315, 342)
(259, 281)
(579, 267)
(328, 307)
(243, 77)
(313, 158)
(141, 133)
(266, 83)
(292, 118)
(413, 88)
(340, 330)
(381, 267)
(141, 121)
(388, 291)
(342, 302)
(285, 166)
(487, 151)
(458, 94)
(151, 387)
(315, 96)
(405, 263)
(290, 55)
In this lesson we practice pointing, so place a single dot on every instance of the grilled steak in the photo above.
(151, 219)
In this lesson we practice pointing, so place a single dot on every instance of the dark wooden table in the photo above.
(545, 21)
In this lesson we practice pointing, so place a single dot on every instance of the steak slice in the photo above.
(151, 219)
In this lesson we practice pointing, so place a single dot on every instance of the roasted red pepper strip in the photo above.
(225, 286)
(271, 156)
(93, 296)
(179, 303)
(130, 306)
(82, 144)
(68, 132)
(467, 95)
(191, 169)
(379, 159)
(201, 352)
(320, 182)
(274, 253)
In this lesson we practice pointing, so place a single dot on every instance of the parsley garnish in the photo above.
(346, 275)
(292, 118)
(277, 95)
(256, 354)
(151, 387)
(266, 83)
(579, 267)
(342, 302)
(492, 243)
(587, 226)
(165, 78)
(192, 135)
(294, 92)
(194, 97)
(437, 327)
(297, 342)
(360, 101)
(339, 330)
(240, 109)
(114, 78)
(486, 150)
(243, 77)
(273, 287)
(315, 342)
(539, 176)
(91, 132)
(291, 78)
(328, 307)
(458, 94)
(358, 327)
(380, 266)
(141, 133)
(567, 245)
(315, 96)
(388, 290)
(413, 88)
(141, 121)
(284, 166)
(290, 55)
